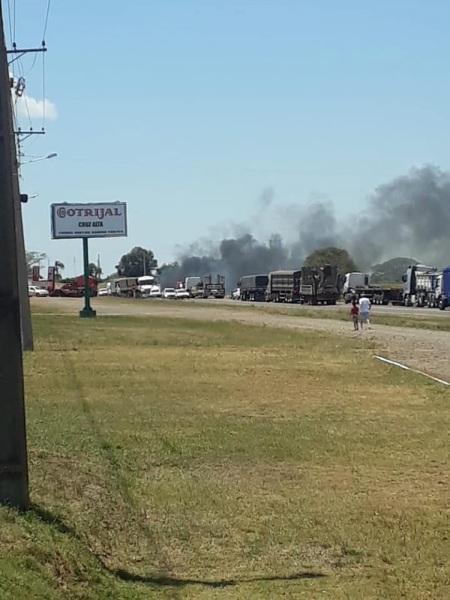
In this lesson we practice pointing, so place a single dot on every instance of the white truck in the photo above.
(145, 285)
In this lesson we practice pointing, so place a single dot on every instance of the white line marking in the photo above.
(397, 364)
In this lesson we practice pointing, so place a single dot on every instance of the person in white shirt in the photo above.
(364, 310)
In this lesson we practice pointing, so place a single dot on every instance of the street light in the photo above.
(39, 158)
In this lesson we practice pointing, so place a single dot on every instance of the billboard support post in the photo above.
(88, 312)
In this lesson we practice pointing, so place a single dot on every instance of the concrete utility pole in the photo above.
(13, 449)
(25, 312)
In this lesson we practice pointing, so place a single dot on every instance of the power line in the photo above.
(46, 22)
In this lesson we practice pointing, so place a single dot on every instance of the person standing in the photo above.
(364, 311)
(354, 312)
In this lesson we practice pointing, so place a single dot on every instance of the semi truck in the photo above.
(208, 287)
(359, 284)
(253, 287)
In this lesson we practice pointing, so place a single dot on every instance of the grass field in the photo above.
(179, 459)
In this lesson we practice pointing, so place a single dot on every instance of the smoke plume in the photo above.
(409, 216)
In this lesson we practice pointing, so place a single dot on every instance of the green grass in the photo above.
(181, 459)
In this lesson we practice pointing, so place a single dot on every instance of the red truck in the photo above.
(75, 288)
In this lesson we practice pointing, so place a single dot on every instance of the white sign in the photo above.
(89, 220)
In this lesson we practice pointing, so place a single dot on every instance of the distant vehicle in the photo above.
(253, 287)
(125, 286)
(169, 293)
(34, 290)
(103, 292)
(155, 292)
(145, 285)
(75, 288)
(191, 282)
(208, 287)
(236, 294)
(181, 294)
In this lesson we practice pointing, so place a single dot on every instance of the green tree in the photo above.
(34, 258)
(331, 256)
(136, 263)
(95, 270)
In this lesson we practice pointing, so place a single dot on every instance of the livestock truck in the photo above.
(75, 288)
(209, 287)
(253, 287)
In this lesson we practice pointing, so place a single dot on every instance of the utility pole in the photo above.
(25, 312)
(13, 449)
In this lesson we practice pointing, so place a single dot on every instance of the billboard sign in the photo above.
(89, 220)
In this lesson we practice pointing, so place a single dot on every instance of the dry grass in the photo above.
(178, 459)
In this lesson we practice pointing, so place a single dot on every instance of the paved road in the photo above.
(422, 349)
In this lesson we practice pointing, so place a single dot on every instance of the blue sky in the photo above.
(189, 109)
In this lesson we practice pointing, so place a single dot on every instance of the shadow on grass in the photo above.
(49, 518)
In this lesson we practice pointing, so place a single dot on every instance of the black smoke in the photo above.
(409, 216)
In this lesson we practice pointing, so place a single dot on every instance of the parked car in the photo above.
(181, 294)
(103, 292)
(169, 293)
(34, 290)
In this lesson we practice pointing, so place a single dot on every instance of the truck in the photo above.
(190, 283)
(209, 287)
(145, 285)
(319, 285)
(358, 284)
(283, 286)
(419, 287)
(253, 288)
(125, 286)
(75, 288)
(442, 290)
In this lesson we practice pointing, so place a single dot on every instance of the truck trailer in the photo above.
(284, 286)
(253, 288)
(319, 285)
(359, 284)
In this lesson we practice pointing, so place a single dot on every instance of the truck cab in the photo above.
(443, 289)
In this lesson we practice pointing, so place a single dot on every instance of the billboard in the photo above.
(89, 220)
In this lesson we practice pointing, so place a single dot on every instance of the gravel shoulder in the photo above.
(425, 350)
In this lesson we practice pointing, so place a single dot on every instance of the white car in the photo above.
(34, 290)
(103, 292)
(169, 293)
(236, 294)
(181, 294)
(155, 292)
